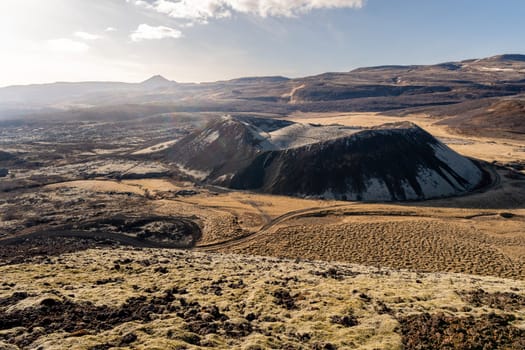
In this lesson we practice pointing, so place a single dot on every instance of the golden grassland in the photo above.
(480, 233)
(286, 276)
(419, 244)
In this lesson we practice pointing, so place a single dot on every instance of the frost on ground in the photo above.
(155, 148)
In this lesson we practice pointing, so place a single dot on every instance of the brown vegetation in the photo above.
(417, 244)
(167, 299)
(440, 331)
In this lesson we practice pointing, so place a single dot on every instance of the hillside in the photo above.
(165, 299)
(384, 88)
(501, 118)
(391, 162)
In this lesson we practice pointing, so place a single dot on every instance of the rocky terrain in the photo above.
(463, 86)
(267, 212)
(165, 299)
(501, 117)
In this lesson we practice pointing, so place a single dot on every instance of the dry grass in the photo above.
(319, 291)
(418, 244)
(99, 186)
(153, 186)
(464, 234)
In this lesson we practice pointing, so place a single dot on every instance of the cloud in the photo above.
(87, 36)
(111, 29)
(203, 10)
(67, 45)
(147, 32)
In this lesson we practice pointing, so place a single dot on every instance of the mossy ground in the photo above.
(168, 299)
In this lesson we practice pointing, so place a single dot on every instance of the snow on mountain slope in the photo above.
(155, 148)
(297, 135)
(223, 147)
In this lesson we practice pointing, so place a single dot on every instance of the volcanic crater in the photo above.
(391, 162)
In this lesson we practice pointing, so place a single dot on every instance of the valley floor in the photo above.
(264, 271)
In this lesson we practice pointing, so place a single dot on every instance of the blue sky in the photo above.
(208, 40)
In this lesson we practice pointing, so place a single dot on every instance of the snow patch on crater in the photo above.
(197, 174)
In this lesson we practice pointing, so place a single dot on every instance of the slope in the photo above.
(392, 162)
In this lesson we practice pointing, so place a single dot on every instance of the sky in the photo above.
(207, 40)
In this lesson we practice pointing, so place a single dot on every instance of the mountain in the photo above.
(394, 87)
(507, 57)
(157, 81)
(500, 118)
(382, 88)
(220, 149)
(389, 163)
(63, 95)
(47, 95)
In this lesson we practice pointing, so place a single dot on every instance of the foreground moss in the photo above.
(167, 299)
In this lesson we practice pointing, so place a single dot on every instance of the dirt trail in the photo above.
(338, 209)
(98, 236)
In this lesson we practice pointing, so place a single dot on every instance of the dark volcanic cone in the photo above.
(393, 162)
(396, 162)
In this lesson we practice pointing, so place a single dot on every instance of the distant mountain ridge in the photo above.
(388, 89)
(157, 81)
(508, 57)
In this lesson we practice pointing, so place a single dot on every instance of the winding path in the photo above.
(196, 232)
(489, 170)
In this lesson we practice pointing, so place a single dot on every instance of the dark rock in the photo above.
(13, 299)
(128, 339)
(237, 329)
(161, 269)
(345, 321)
(186, 193)
(283, 298)
(498, 300)
(324, 346)
(439, 331)
(109, 280)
